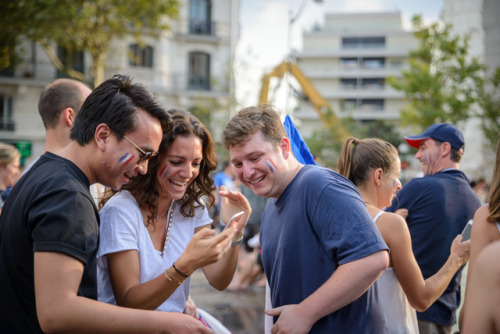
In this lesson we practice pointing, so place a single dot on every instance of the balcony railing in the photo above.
(198, 27)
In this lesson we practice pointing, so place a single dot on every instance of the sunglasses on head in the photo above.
(143, 155)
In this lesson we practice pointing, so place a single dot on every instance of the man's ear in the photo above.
(101, 136)
(68, 117)
(284, 145)
(445, 148)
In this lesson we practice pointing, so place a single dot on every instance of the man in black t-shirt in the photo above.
(49, 228)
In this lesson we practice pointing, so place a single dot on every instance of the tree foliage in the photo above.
(490, 109)
(441, 83)
(80, 25)
(327, 147)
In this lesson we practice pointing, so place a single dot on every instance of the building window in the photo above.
(140, 56)
(362, 105)
(349, 62)
(6, 121)
(200, 17)
(373, 62)
(71, 60)
(363, 42)
(372, 104)
(373, 83)
(348, 105)
(348, 84)
(199, 71)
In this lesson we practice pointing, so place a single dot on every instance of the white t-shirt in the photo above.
(122, 228)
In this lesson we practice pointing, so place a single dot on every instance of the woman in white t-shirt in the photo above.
(156, 232)
(373, 166)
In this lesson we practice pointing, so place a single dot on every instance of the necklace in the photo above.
(368, 203)
(169, 225)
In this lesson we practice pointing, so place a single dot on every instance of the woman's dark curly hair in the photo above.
(200, 191)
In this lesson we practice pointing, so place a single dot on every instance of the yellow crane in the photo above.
(321, 106)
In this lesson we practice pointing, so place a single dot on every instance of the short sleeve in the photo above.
(202, 217)
(344, 226)
(119, 226)
(55, 228)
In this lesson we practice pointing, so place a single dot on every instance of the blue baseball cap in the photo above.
(443, 132)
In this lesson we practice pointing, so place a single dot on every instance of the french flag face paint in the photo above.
(126, 158)
(164, 171)
(272, 166)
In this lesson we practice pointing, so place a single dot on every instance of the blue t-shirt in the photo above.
(221, 179)
(318, 223)
(439, 206)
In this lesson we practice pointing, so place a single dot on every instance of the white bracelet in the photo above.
(237, 242)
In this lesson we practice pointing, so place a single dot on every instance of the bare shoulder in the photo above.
(481, 227)
(482, 213)
(392, 227)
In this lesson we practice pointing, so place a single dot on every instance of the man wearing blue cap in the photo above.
(439, 206)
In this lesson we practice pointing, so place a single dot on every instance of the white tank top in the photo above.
(399, 316)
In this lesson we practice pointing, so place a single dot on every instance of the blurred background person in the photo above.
(10, 160)
(439, 206)
(250, 265)
(373, 165)
(225, 177)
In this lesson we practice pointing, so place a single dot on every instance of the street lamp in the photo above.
(292, 19)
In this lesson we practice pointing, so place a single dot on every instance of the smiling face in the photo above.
(429, 155)
(260, 165)
(179, 167)
(122, 158)
(390, 184)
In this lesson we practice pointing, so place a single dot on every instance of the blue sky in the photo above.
(264, 29)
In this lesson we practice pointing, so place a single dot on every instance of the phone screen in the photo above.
(467, 230)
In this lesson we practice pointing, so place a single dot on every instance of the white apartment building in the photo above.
(189, 65)
(348, 60)
(479, 19)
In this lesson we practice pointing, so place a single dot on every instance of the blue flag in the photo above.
(299, 146)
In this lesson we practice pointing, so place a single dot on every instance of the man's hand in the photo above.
(402, 212)
(291, 320)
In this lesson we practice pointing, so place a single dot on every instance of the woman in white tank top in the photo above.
(373, 166)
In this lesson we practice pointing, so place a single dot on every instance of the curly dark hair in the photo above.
(200, 191)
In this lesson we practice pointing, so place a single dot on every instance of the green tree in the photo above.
(328, 147)
(81, 25)
(490, 109)
(442, 82)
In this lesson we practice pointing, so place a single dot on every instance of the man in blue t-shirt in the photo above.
(439, 206)
(320, 249)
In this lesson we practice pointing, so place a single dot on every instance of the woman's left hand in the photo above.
(232, 203)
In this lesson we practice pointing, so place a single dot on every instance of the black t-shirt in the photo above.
(50, 209)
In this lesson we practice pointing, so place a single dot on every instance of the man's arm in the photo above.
(60, 309)
(346, 284)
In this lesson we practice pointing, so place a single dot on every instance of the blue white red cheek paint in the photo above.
(164, 171)
(126, 158)
(272, 166)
